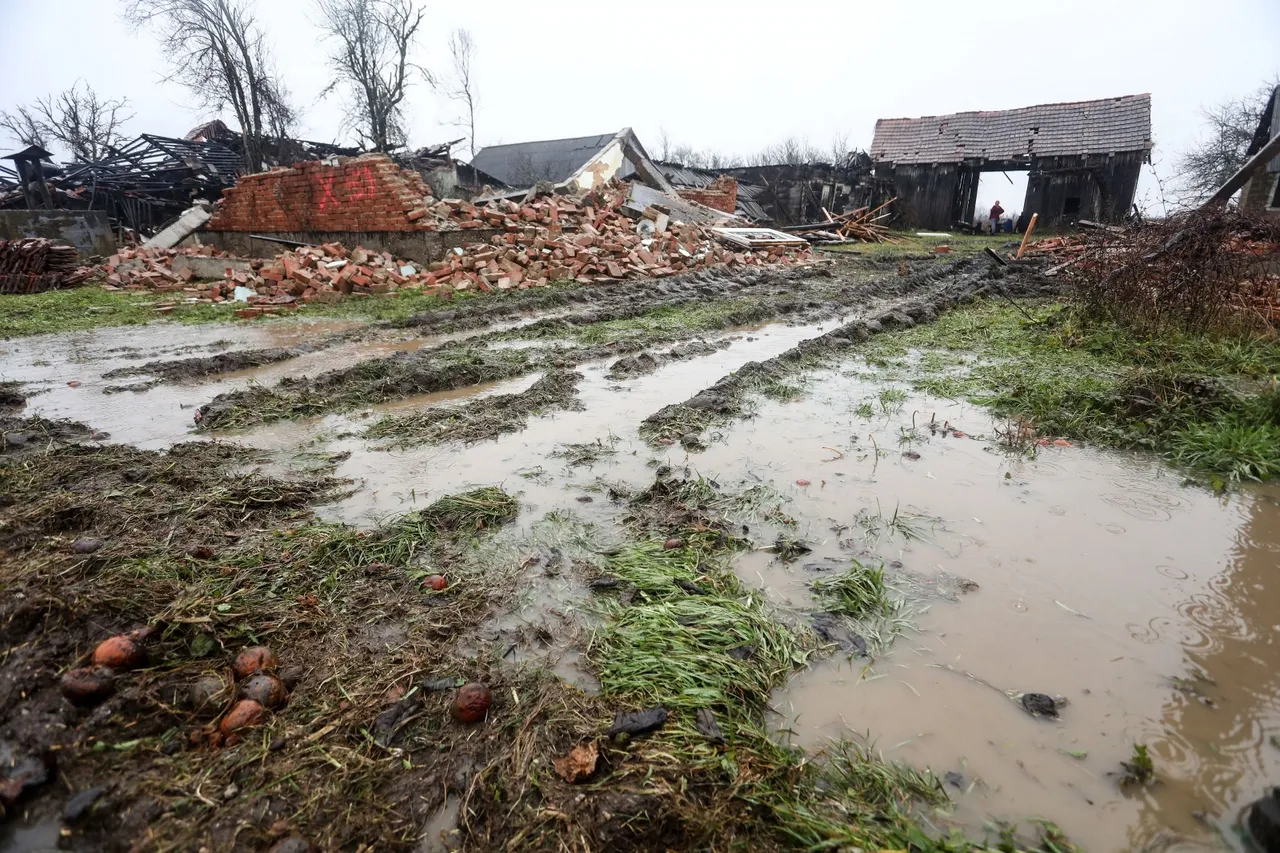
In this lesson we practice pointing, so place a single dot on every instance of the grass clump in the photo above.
(483, 418)
(1206, 402)
(855, 593)
(367, 383)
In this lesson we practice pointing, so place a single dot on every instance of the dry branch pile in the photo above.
(1194, 272)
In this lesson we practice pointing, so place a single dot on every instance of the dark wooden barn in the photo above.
(1083, 159)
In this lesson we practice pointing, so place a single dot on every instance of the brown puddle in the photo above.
(1101, 578)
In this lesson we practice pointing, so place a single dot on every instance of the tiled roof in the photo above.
(1048, 130)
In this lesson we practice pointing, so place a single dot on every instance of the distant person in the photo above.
(996, 211)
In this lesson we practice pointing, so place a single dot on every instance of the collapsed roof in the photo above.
(526, 163)
(1078, 128)
(585, 161)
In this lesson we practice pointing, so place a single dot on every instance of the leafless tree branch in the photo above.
(23, 125)
(1231, 123)
(86, 124)
(373, 40)
(217, 51)
(461, 86)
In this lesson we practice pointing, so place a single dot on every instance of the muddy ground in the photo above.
(677, 522)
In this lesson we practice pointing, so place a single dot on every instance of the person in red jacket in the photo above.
(996, 211)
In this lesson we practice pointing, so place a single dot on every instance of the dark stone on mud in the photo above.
(638, 722)
(1263, 821)
(692, 441)
(439, 685)
(292, 844)
(910, 454)
(707, 725)
(11, 398)
(1039, 705)
(831, 628)
(15, 439)
(601, 584)
(291, 675)
(86, 545)
(387, 724)
(79, 806)
(742, 652)
(690, 587)
(21, 773)
(585, 499)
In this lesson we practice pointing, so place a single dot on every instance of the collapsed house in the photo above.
(1261, 194)
(139, 186)
(578, 163)
(1083, 159)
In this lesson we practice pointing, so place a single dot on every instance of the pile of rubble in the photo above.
(543, 240)
(34, 264)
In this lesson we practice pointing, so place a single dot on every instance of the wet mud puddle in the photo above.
(1095, 577)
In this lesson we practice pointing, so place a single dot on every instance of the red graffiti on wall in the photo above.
(337, 189)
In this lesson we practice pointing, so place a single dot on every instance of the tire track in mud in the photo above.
(591, 304)
(917, 298)
(798, 294)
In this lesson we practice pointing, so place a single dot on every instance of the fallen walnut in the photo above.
(243, 715)
(253, 659)
(267, 690)
(88, 685)
(472, 702)
(579, 764)
(120, 652)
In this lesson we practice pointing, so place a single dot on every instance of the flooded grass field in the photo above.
(797, 505)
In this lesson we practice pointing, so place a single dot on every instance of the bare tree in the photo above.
(217, 50)
(840, 150)
(461, 85)
(790, 151)
(1231, 123)
(24, 127)
(371, 59)
(85, 124)
(705, 158)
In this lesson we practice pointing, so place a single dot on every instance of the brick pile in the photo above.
(35, 264)
(553, 238)
(722, 194)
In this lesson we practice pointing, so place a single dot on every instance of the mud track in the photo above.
(721, 300)
(918, 298)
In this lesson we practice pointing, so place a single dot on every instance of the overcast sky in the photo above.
(730, 76)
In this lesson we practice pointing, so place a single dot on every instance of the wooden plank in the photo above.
(1268, 153)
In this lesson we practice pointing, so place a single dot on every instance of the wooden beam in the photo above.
(1268, 153)
(1031, 226)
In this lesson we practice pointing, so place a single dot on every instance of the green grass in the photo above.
(856, 593)
(91, 307)
(1207, 403)
(907, 243)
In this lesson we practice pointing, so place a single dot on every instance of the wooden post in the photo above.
(1031, 226)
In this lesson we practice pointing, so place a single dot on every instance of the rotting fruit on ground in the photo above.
(372, 631)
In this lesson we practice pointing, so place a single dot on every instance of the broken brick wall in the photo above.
(722, 194)
(369, 193)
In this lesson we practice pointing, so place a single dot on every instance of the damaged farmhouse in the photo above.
(368, 486)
